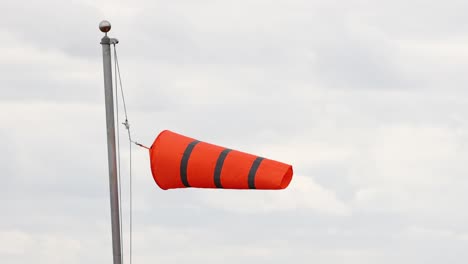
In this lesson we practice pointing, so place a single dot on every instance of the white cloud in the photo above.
(20, 247)
(366, 100)
(302, 194)
(408, 168)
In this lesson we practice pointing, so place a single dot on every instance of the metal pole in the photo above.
(105, 27)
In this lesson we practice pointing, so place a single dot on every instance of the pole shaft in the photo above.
(111, 151)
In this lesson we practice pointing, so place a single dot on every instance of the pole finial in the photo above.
(105, 26)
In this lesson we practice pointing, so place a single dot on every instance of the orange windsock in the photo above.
(178, 161)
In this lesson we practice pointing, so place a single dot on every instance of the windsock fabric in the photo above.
(178, 161)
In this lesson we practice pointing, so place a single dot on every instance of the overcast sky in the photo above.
(367, 100)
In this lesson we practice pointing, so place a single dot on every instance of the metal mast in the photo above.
(105, 27)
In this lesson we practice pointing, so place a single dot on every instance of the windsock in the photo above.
(178, 161)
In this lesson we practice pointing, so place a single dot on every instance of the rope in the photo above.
(118, 159)
(127, 127)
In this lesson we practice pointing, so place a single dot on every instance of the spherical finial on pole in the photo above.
(105, 26)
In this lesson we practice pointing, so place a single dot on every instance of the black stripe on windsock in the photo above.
(253, 172)
(184, 162)
(219, 167)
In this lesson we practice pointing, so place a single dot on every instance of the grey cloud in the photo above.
(53, 25)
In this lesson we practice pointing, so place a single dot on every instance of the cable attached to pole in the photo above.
(138, 144)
